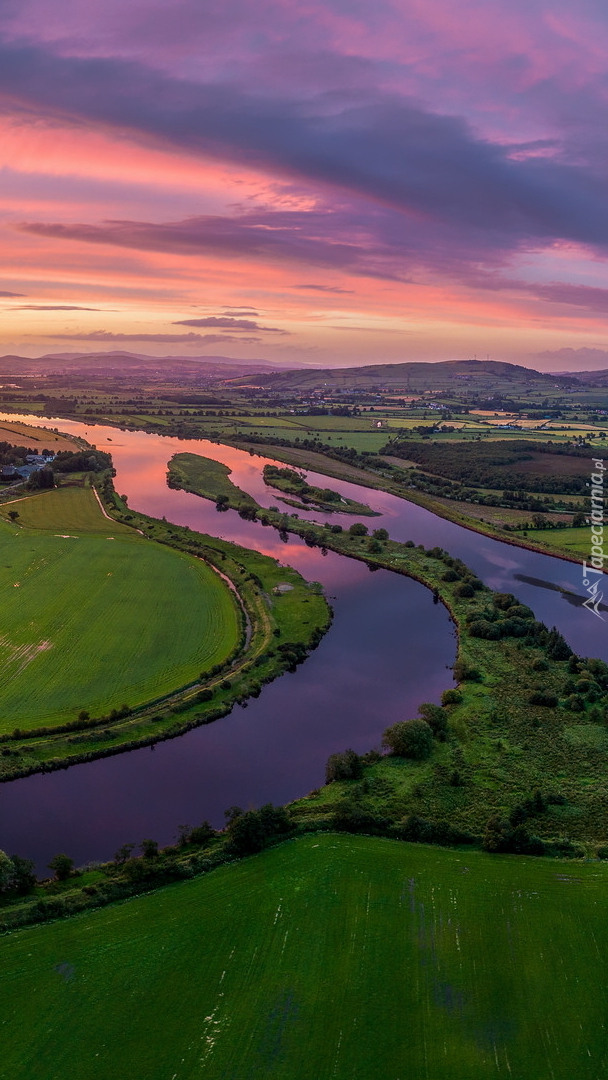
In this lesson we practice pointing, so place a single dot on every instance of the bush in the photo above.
(345, 766)
(451, 697)
(450, 575)
(436, 718)
(463, 672)
(481, 628)
(358, 529)
(62, 866)
(420, 831)
(464, 591)
(252, 831)
(351, 816)
(380, 534)
(409, 739)
(540, 665)
(543, 697)
(201, 834)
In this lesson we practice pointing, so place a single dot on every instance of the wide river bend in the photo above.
(388, 649)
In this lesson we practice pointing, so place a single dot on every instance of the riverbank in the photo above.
(283, 617)
(356, 474)
(525, 710)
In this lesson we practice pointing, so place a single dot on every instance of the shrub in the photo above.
(450, 575)
(62, 866)
(409, 739)
(436, 718)
(351, 816)
(201, 834)
(358, 529)
(451, 697)
(380, 534)
(540, 665)
(464, 591)
(420, 831)
(543, 697)
(481, 628)
(345, 766)
(463, 672)
(252, 831)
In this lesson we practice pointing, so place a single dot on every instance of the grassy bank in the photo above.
(526, 717)
(154, 611)
(380, 959)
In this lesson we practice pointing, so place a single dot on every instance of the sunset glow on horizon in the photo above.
(328, 183)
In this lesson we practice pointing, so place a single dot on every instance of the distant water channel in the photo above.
(389, 649)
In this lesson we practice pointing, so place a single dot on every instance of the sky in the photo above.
(310, 183)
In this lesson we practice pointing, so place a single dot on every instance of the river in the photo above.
(389, 648)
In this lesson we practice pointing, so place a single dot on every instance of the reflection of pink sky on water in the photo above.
(387, 650)
(141, 459)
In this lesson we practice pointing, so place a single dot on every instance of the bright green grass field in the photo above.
(88, 622)
(570, 541)
(348, 958)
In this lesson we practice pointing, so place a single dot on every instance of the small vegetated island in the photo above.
(308, 497)
(118, 631)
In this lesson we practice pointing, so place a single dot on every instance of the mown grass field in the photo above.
(332, 956)
(94, 615)
(64, 510)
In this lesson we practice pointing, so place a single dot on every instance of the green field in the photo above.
(95, 616)
(570, 541)
(338, 957)
(210, 477)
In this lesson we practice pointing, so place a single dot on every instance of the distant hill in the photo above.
(128, 363)
(482, 375)
(590, 378)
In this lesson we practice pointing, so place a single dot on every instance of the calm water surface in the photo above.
(387, 651)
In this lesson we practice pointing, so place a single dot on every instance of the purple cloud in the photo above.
(323, 288)
(11, 294)
(54, 307)
(228, 322)
(182, 339)
(382, 148)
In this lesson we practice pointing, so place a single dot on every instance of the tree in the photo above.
(345, 766)
(62, 866)
(24, 877)
(123, 854)
(13, 514)
(409, 739)
(358, 529)
(231, 814)
(436, 718)
(380, 534)
(201, 834)
(149, 849)
(6, 873)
